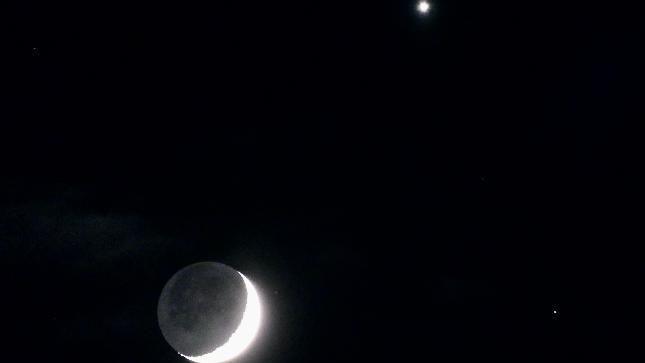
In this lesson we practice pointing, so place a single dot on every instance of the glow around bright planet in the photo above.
(423, 7)
(209, 313)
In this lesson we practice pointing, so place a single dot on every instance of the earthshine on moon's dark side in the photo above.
(201, 307)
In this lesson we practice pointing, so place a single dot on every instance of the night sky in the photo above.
(400, 187)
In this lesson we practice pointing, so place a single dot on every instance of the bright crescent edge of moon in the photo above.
(243, 336)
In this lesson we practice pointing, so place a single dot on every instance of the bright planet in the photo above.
(423, 7)
(209, 313)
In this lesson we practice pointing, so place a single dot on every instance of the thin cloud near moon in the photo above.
(243, 336)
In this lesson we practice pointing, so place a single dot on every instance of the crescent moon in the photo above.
(243, 336)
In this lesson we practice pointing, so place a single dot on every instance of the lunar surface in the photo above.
(209, 313)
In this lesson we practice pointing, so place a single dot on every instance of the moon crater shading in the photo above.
(200, 307)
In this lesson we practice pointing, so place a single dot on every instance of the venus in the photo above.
(209, 312)
(423, 7)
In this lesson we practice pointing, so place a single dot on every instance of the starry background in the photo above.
(400, 187)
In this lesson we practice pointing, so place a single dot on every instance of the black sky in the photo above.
(399, 187)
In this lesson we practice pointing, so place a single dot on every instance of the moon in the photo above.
(209, 313)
